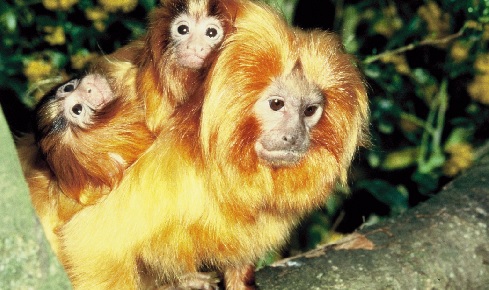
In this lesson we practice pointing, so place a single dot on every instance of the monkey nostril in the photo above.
(289, 139)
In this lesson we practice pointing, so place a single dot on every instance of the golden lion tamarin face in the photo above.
(72, 104)
(194, 38)
(282, 97)
(189, 32)
(287, 111)
(88, 136)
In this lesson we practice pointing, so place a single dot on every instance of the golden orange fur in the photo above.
(199, 197)
(95, 157)
(69, 169)
(162, 83)
(84, 164)
(52, 207)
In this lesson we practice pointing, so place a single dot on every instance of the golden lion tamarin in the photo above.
(87, 140)
(183, 35)
(89, 136)
(260, 144)
(84, 138)
(173, 57)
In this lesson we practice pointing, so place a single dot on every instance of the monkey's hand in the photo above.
(240, 278)
(195, 281)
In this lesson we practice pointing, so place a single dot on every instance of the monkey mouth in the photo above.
(278, 157)
(191, 61)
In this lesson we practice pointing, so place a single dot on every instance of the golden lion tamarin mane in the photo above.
(200, 197)
(253, 58)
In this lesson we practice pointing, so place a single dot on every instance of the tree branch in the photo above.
(425, 42)
(440, 244)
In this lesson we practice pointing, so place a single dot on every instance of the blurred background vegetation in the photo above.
(426, 63)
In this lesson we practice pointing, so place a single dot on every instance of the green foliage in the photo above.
(46, 39)
(287, 7)
(426, 63)
(422, 101)
(427, 67)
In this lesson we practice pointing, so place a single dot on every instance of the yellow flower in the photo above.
(36, 70)
(80, 60)
(390, 23)
(100, 26)
(113, 6)
(430, 92)
(461, 158)
(98, 15)
(400, 159)
(399, 62)
(482, 63)
(478, 88)
(437, 20)
(485, 33)
(59, 4)
(56, 35)
(460, 51)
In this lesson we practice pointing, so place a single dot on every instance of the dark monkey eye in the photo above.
(183, 29)
(211, 32)
(68, 88)
(311, 110)
(276, 104)
(77, 109)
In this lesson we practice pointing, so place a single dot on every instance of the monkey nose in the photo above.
(290, 139)
(198, 49)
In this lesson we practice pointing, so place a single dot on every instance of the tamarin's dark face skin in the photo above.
(72, 104)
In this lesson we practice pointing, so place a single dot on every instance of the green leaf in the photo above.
(401, 159)
(373, 71)
(58, 59)
(287, 7)
(396, 197)
(458, 135)
(423, 76)
(44, 20)
(406, 32)
(137, 28)
(148, 5)
(8, 19)
(350, 24)
(427, 182)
